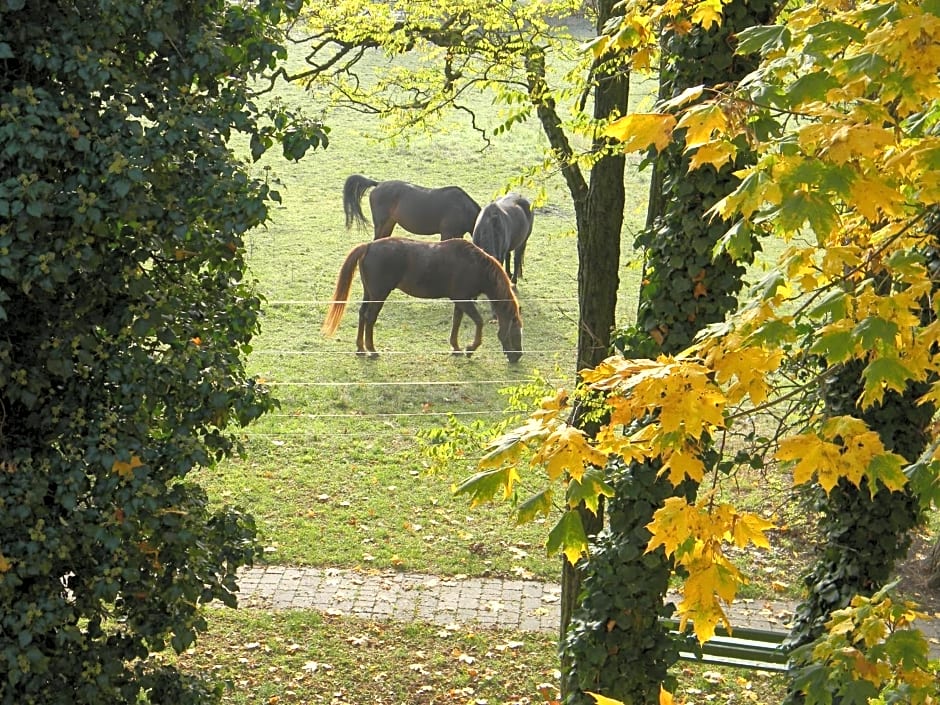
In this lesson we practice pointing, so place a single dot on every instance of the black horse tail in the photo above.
(341, 294)
(353, 189)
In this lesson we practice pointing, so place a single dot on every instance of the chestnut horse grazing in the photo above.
(421, 211)
(454, 269)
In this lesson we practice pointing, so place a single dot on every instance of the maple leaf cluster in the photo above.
(843, 114)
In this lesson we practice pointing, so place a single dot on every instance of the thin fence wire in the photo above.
(412, 383)
(409, 300)
(476, 353)
(389, 415)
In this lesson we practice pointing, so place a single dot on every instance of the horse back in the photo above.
(425, 211)
(428, 270)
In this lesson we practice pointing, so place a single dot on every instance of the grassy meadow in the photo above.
(336, 476)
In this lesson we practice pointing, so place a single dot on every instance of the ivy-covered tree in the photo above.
(843, 121)
(124, 317)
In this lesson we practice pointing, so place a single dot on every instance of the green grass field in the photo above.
(336, 476)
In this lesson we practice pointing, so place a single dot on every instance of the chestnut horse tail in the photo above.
(343, 283)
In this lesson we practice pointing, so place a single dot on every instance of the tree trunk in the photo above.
(600, 222)
(933, 566)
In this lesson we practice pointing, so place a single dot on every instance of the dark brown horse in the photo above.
(421, 211)
(455, 269)
(503, 228)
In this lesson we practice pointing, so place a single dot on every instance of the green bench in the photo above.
(745, 648)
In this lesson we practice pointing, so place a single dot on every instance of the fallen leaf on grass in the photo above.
(509, 645)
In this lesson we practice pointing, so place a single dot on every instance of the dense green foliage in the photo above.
(864, 533)
(124, 318)
(685, 288)
(617, 624)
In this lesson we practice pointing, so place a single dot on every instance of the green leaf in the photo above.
(873, 330)
(908, 647)
(483, 486)
(763, 39)
(568, 537)
(800, 206)
(5, 51)
(886, 469)
(924, 479)
(866, 65)
(772, 333)
(811, 87)
(885, 371)
(857, 692)
(589, 489)
(835, 347)
(907, 262)
(539, 504)
(826, 36)
(831, 305)
(738, 242)
(767, 287)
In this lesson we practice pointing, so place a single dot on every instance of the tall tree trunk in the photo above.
(600, 222)
(933, 566)
(615, 644)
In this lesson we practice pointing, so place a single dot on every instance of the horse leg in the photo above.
(520, 255)
(455, 331)
(469, 308)
(368, 313)
(384, 228)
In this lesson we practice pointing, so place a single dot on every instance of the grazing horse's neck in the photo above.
(501, 296)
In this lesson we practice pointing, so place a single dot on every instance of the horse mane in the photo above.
(501, 294)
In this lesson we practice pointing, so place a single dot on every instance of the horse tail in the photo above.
(353, 189)
(341, 294)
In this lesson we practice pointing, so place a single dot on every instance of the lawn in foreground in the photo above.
(304, 657)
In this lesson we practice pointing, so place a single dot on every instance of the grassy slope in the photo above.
(336, 476)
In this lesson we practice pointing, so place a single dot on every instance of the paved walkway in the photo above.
(524, 605)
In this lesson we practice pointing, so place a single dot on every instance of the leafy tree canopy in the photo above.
(124, 317)
(843, 115)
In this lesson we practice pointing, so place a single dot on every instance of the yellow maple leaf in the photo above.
(672, 525)
(707, 13)
(716, 154)
(691, 401)
(701, 123)
(603, 699)
(873, 196)
(126, 469)
(638, 131)
(5, 565)
(852, 140)
(706, 585)
(749, 366)
(508, 448)
(567, 450)
(665, 697)
(680, 464)
(815, 458)
(747, 528)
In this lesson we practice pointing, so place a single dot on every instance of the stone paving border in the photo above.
(524, 605)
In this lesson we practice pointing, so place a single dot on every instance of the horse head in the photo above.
(510, 335)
